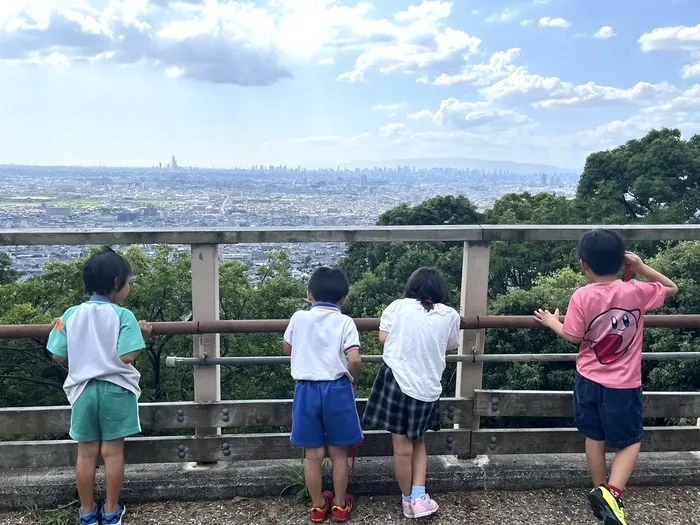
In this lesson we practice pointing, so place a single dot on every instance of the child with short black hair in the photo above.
(100, 341)
(325, 349)
(417, 331)
(606, 318)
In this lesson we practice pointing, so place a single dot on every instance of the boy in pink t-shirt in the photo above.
(606, 318)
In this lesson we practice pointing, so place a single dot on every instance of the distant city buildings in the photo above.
(263, 196)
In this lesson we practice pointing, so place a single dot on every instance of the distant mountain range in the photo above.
(457, 162)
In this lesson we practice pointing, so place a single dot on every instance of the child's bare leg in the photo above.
(419, 463)
(113, 456)
(403, 456)
(623, 466)
(339, 457)
(85, 474)
(595, 455)
(312, 474)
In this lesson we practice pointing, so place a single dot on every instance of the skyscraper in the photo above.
(173, 163)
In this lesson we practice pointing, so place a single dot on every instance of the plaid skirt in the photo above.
(388, 408)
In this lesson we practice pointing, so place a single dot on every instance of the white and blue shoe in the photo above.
(115, 518)
(89, 519)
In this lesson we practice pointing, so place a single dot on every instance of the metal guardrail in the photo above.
(468, 358)
(363, 325)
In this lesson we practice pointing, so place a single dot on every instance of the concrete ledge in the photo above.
(373, 476)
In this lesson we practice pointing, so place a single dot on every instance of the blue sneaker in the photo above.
(89, 519)
(115, 518)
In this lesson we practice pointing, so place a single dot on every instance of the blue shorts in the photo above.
(325, 413)
(613, 415)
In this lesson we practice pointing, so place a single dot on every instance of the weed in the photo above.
(296, 480)
(64, 515)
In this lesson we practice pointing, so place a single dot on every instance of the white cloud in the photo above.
(389, 107)
(547, 21)
(541, 2)
(523, 87)
(682, 38)
(686, 101)
(604, 33)
(499, 66)
(502, 16)
(414, 45)
(234, 41)
(425, 113)
(528, 22)
(429, 9)
(395, 130)
(464, 115)
(691, 70)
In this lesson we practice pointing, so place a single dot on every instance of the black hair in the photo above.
(427, 286)
(603, 251)
(106, 272)
(329, 285)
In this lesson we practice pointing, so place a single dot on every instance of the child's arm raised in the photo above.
(640, 268)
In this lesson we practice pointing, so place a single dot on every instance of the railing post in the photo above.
(205, 307)
(473, 302)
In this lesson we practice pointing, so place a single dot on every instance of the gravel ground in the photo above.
(646, 506)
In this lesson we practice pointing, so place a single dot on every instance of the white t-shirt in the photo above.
(93, 337)
(320, 338)
(417, 343)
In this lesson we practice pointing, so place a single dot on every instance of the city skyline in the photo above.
(328, 82)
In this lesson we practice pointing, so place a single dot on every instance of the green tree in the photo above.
(516, 264)
(7, 273)
(655, 179)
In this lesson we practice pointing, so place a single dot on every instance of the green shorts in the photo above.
(104, 412)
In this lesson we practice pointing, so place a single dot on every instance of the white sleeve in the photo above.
(453, 336)
(289, 332)
(387, 319)
(351, 337)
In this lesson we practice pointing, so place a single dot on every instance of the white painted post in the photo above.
(205, 307)
(474, 297)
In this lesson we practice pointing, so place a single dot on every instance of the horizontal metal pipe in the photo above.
(363, 325)
(463, 358)
(340, 234)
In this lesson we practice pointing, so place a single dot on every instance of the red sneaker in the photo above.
(319, 515)
(341, 514)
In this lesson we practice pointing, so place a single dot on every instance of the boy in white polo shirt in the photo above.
(325, 348)
(100, 340)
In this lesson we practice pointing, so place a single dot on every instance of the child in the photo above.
(606, 318)
(100, 341)
(416, 331)
(325, 349)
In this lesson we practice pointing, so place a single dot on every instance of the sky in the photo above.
(226, 83)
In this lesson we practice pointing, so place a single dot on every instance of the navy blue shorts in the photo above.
(325, 413)
(613, 415)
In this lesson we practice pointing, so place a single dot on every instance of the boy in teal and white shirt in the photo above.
(100, 341)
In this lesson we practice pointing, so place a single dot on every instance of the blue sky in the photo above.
(316, 82)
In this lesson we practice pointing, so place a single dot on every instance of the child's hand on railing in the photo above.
(547, 318)
(146, 329)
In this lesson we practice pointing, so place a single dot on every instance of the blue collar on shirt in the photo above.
(99, 299)
(325, 305)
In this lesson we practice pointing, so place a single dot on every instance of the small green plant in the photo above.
(64, 515)
(296, 480)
